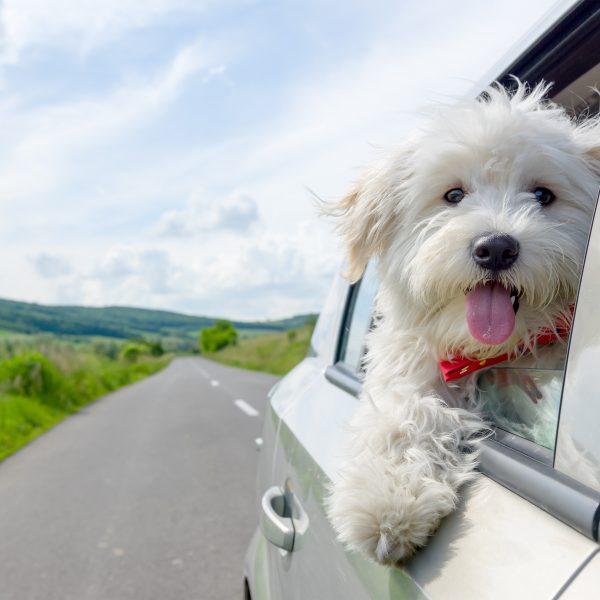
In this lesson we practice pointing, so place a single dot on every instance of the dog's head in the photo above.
(480, 220)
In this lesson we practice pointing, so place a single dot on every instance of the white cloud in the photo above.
(78, 24)
(237, 213)
(51, 266)
(49, 143)
(265, 275)
(125, 274)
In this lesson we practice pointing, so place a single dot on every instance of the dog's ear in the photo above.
(366, 217)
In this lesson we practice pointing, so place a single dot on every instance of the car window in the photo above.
(358, 319)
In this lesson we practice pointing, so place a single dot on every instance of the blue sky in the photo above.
(158, 153)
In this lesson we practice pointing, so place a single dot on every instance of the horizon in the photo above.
(162, 310)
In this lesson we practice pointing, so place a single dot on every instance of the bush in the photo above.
(32, 374)
(217, 337)
(132, 351)
(155, 348)
(106, 349)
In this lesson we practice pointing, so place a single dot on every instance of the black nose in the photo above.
(495, 251)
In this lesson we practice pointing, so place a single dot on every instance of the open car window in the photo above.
(358, 320)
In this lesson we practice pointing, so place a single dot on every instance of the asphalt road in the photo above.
(148, 493)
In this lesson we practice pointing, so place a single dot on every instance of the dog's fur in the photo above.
(413, 439)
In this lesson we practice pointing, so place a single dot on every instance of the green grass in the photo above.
(21, 420)
(275, 353)
(37, 389)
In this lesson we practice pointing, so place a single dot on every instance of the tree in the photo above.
(217, 337)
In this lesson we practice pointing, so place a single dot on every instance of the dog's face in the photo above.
(481, 221)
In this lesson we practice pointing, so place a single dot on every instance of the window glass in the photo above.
(358, 319)
(321, 342)
(524, 402)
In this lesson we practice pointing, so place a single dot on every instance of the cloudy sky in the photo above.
(159, 153)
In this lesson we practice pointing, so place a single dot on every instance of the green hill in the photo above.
(121, 322)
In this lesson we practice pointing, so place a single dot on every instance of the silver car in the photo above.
(529, 527)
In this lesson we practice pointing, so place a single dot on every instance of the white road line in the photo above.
(202, 371)
(214, 383)
(245, 407)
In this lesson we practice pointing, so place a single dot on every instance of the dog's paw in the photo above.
(386, 525)
(392, 542)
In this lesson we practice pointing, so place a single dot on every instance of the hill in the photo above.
(121, 322)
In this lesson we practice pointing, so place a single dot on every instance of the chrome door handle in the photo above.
(275, 519)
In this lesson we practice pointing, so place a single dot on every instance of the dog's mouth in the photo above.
(491, 311)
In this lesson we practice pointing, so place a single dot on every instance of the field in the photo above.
(274, 353)
(44, 379)
(54, 360)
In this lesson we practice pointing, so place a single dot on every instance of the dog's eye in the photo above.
(454, 196)
(544, 196)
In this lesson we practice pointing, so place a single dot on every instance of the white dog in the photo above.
(480, 224)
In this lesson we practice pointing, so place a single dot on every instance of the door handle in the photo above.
(276, 520)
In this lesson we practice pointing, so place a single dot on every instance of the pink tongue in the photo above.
(490, 314)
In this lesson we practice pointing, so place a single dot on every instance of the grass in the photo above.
(275, 353)
(40, 388)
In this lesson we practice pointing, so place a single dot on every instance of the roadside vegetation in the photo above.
(275, 353)
(43, 379)
(55, 360)
(217, 337)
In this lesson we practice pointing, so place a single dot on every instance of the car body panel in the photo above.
(586, 583)
(256, 569)
(527, 553)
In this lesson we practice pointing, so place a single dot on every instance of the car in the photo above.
(529, 527)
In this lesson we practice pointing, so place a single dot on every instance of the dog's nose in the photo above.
(495, 251)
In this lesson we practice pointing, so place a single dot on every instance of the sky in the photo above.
(164, 153)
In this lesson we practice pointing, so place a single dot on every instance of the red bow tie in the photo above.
(459, 367)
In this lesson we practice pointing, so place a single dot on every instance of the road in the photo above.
(148, 493)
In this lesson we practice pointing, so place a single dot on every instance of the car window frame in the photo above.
(344, 336)
(514, 462)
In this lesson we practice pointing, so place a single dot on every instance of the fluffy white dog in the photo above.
(480, 224)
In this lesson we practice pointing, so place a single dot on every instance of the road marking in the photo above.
(245, 407)
(202, 371)
(214, 383)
